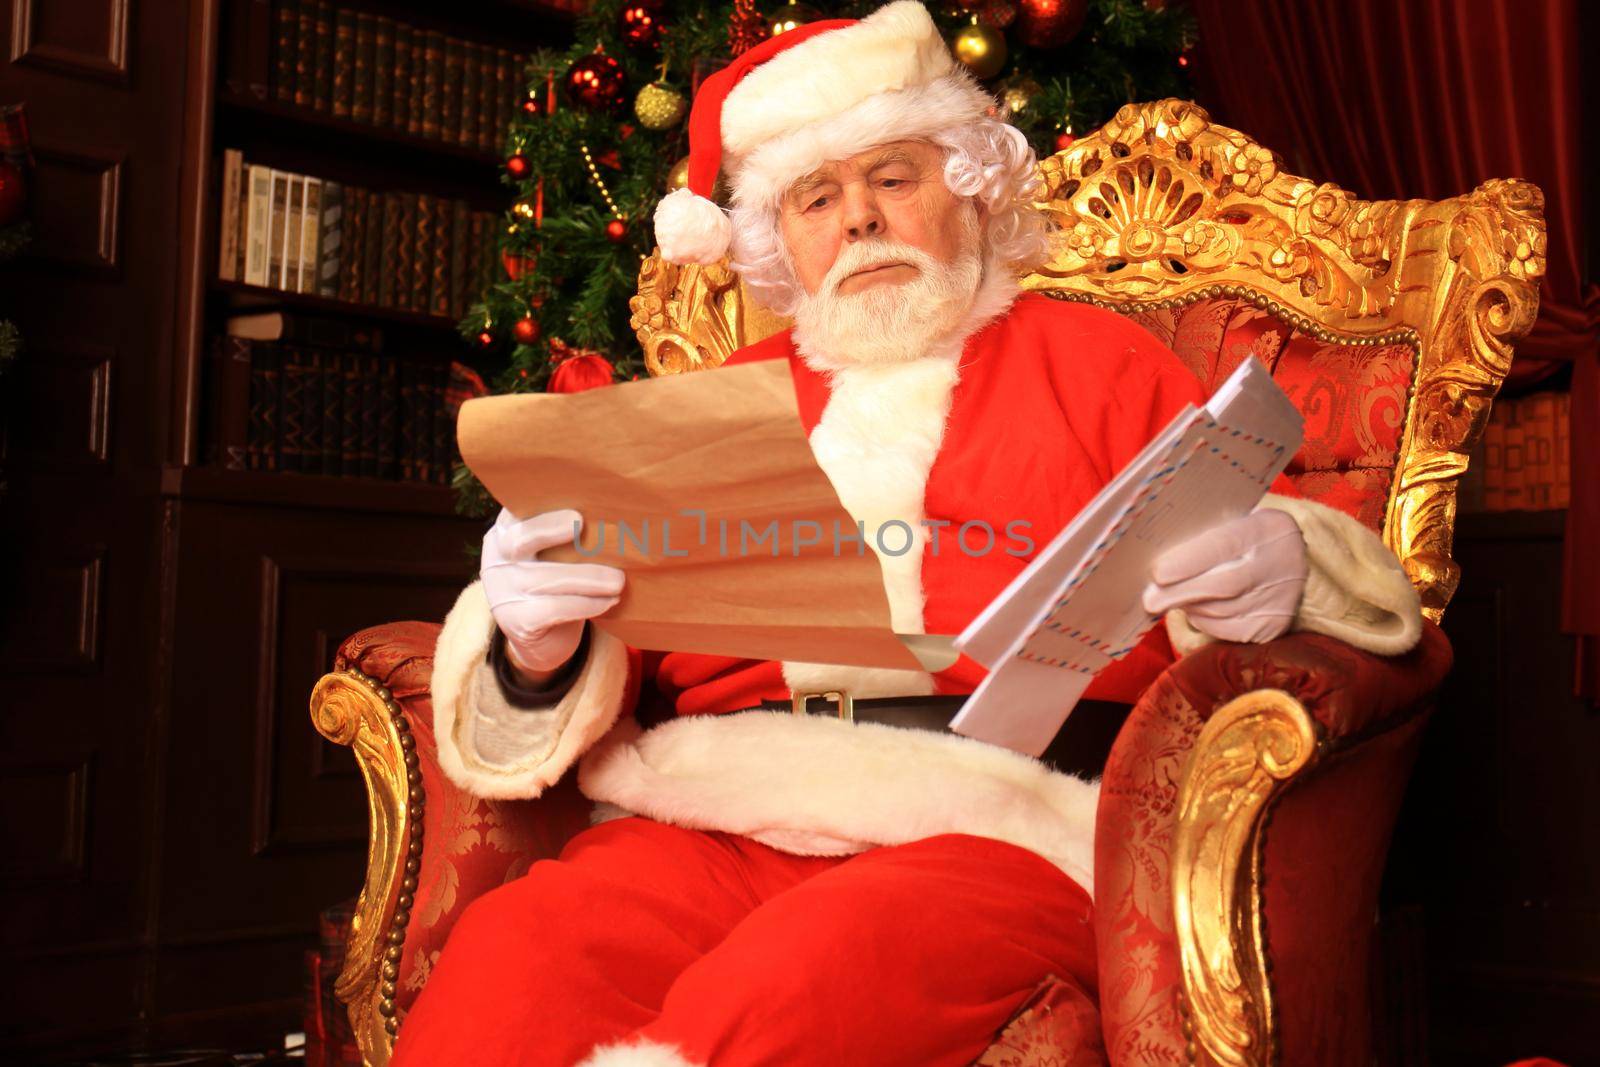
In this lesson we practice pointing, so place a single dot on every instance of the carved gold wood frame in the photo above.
(349, 708)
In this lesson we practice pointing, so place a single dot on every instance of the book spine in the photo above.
(286, 36)
(477, 237)
(1541, 450)
(310, 231)
(371, 385)
(294, 229)
(460, 236)
(383, 72)
(330, 239)
(438, 302)
(332, 413)
(417, 88)
(505, 78)
(372, 262)
(322, 58)
(423, 253)
(1494, 461)
(344, 62)
(488, 137)
(404, 261)
(1561, 497)
(400, 87)
(350, 416)
(433, 63)
(280, 216)
(272, 358)
(248, 68)
(422, 429)
(228, 227)
(406, 448)
(389, 421)
(467, 122)
(291, 443)
(450, 91)
(443, 435)
(1516, 459)
(258, 225)
(487, 252)
(352, 243)
(366, 44)
(311, 411)
(305, 52)
(389, 277)
(234, 433)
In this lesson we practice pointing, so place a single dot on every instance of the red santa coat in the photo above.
(1051, 401)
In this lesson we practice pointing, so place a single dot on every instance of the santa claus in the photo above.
(772, 888)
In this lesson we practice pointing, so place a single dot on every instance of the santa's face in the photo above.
(851, 214)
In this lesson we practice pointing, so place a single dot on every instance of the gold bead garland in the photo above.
(599, 182)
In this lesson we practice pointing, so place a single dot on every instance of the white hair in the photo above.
(986, 160)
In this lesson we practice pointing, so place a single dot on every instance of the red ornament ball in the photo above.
(526, 330)
(581, 372)
(640, 23)
(13, 194)
(595, 82)
(1064, 141)
(530, 106)
(518, 166)
(485, 338)
(1050, 23)
(616, 230)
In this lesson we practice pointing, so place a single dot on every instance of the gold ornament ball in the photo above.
(981, 49)
(659, 107)
(678, 176)
(1018, 95)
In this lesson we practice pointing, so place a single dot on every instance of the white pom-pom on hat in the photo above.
(691, 229)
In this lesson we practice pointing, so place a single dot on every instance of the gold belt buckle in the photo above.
(847, 710)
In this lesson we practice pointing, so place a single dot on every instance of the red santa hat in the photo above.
(819, 92)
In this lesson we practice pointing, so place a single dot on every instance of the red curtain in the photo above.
(1428, 98)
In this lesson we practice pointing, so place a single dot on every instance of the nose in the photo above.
(861, 217)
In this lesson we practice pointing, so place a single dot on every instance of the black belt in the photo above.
(1080, 748)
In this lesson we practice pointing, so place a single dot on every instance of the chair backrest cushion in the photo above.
(1353, 396)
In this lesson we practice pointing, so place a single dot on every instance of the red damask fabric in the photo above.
(1353, 397)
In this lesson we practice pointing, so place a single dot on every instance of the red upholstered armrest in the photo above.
(469, 845)
(1323, 854)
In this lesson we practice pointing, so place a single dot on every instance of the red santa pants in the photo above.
(737, 955)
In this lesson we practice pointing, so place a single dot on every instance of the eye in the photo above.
(892, 183)
(819, 202)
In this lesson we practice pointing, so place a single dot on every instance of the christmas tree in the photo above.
(600, 138)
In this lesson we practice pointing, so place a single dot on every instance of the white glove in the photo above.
(1240, 581)
(541, 606)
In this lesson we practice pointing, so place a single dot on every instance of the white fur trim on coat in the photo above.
(492, 749)
(815, 785)
(1356, 589)
(636, 1054)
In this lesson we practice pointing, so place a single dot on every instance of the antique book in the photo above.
(373, 263)
(423, 252)
(1562, 496)
(280, 220)
(350, 414)
(450, 90)
(389, 420)
(322, 331)
(370, 384)
(228, 228)
(400, 80)
(310, 410)
(305, 53)
(391, 282)
(258, 224)
(322, 57)
(1494, 462)
(416, 90)
(383, 72)
(310, 235)
(366, 44)
(426, 396)
(438, 301)
(293, 229)
(1540, 445)
(406, 423)
(433, 63)
(352, 243)
(504, 88)
(1514, 486)
(247, 70)
(461, 291)
(332, 410)
(265, 408)
(228, 383)
(443, 437)
(330, 239)
(488, 137)
(467, 121)
(291, 440)
(286, 41)
(344, 62)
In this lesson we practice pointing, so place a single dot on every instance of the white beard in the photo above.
(888, 323)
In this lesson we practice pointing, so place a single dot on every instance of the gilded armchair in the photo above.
(1391, 325)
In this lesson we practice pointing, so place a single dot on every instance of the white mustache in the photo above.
(867, 255)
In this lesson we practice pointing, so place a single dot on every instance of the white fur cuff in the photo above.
(691, 229)
(636, 1054)
(492, 749)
